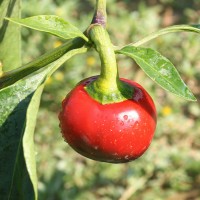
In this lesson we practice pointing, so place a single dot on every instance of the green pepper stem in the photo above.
(107, 88)
(109, 72)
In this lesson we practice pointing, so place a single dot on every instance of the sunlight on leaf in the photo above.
(50, 24)
(159, 69)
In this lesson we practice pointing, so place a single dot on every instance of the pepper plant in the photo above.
(21, 89)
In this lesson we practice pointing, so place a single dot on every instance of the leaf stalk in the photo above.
(12, 76)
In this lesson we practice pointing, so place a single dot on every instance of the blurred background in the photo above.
(170, 169)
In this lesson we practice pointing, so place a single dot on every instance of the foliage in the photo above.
(160, 69)
(169, 170)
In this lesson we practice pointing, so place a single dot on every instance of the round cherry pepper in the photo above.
(106, 118)
(115, 132)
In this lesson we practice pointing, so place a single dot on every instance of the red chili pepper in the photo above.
(115, 132)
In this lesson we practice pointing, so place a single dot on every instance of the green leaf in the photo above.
(159, 69)
(11, 77)
(170, 29)
(18, 105)
(10, 36)
(51, 24)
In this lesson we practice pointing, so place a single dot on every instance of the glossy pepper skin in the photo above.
(116, 132)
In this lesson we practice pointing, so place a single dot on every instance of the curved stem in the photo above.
(109, 70)
(100, 16)
(108, 88)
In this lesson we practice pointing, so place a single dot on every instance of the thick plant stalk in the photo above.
(11, 77)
